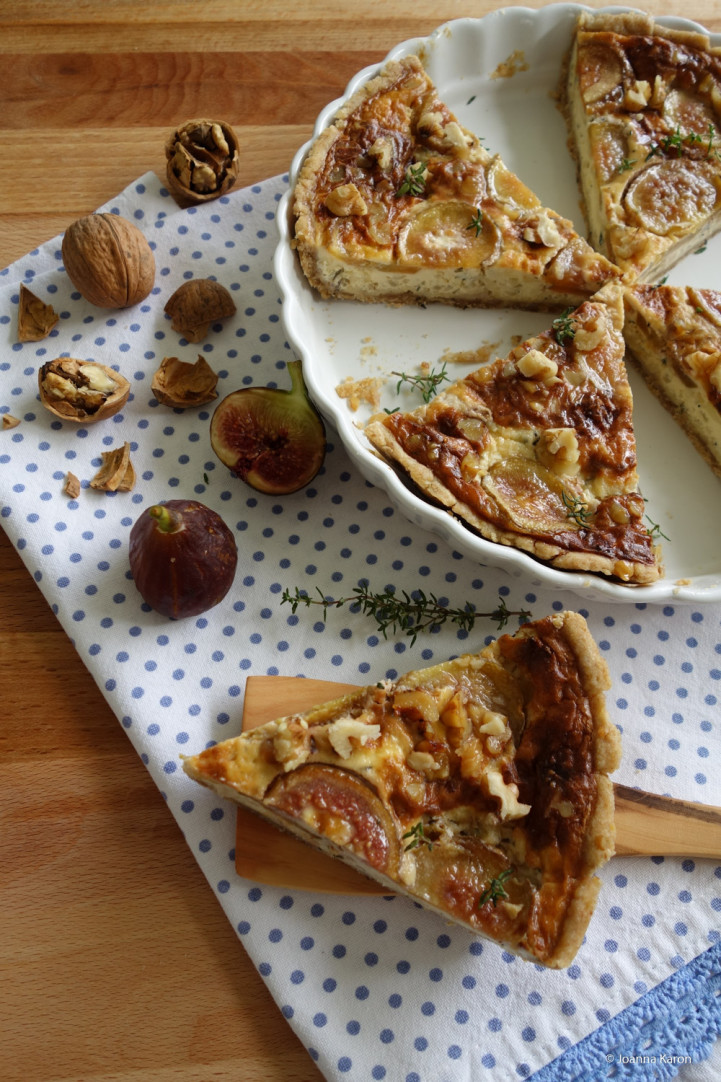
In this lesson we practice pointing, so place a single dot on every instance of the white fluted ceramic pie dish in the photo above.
(516, 115)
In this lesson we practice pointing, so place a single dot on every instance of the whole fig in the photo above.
(183, 558)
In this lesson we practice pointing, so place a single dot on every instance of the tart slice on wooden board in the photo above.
(396, 202)
(537, 450)
(643, 103)
(674, 335)
(478, 788)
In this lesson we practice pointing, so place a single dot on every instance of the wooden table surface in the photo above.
(116, 961)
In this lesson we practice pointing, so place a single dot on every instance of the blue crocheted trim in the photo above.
(674, 1024)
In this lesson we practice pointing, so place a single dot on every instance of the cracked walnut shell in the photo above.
(108, 260)
(81, 391)
(202, 161)
(117, 473)
(36, 319)
(180, 384)
(196, 304)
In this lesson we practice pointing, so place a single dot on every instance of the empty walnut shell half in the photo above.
(196, 305)
(108, 260)
(82, 391)
(180, 384)
(202, 161)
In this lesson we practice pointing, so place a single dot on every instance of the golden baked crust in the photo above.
(397, 203)
(643, 103)
(674, 335)
(478, 787)
(537, 450)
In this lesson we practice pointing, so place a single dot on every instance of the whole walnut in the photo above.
(108, 260)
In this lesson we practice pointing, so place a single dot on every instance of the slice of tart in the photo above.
(537, 450)
(396, 202)
(478, 788)
(674, 335)
(643, 104)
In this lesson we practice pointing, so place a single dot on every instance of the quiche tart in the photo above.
(537, 450)
(396, 202)
(479, 787)
(643, 103)
(674, 335)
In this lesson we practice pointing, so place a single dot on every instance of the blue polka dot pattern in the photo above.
(375, 987)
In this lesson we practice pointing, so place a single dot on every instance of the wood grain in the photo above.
(116, 961)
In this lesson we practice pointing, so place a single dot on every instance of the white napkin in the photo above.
(375, 988)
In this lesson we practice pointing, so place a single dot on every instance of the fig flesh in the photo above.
(273, 439)
(183, 558)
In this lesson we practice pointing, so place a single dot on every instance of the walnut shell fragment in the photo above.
(81, 391)
(117, 473)
(202, 161)
(180, 384)
(196, 305)
(9, 421)
(108, 260)
(71, 487)
(36, 319)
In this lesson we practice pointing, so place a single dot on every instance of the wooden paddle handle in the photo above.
(652, 825)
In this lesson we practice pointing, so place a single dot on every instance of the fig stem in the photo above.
(166, 521)
(297, 383)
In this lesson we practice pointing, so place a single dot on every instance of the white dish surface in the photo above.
(518, 117)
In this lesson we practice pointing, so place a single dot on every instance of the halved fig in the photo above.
(671, 196)
(342, 807)
(273, 439)
(531, 496)
(688, 113)
(507, 189)
(609, 137)
(448, 234)
(708, 302)
(600, 71)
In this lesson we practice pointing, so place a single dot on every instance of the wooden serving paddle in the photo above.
(646, 825)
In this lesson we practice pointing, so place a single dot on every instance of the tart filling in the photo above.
(477, 787)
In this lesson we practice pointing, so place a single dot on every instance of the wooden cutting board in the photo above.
(646, 825)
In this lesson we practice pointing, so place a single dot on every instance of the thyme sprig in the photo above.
(576, 509)
(496, 889)
(655, 530)
(411, 614)
(416, 836)
(564, 327)
(414, 182)
(428, 385)
(476, 221)
(675, 141)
